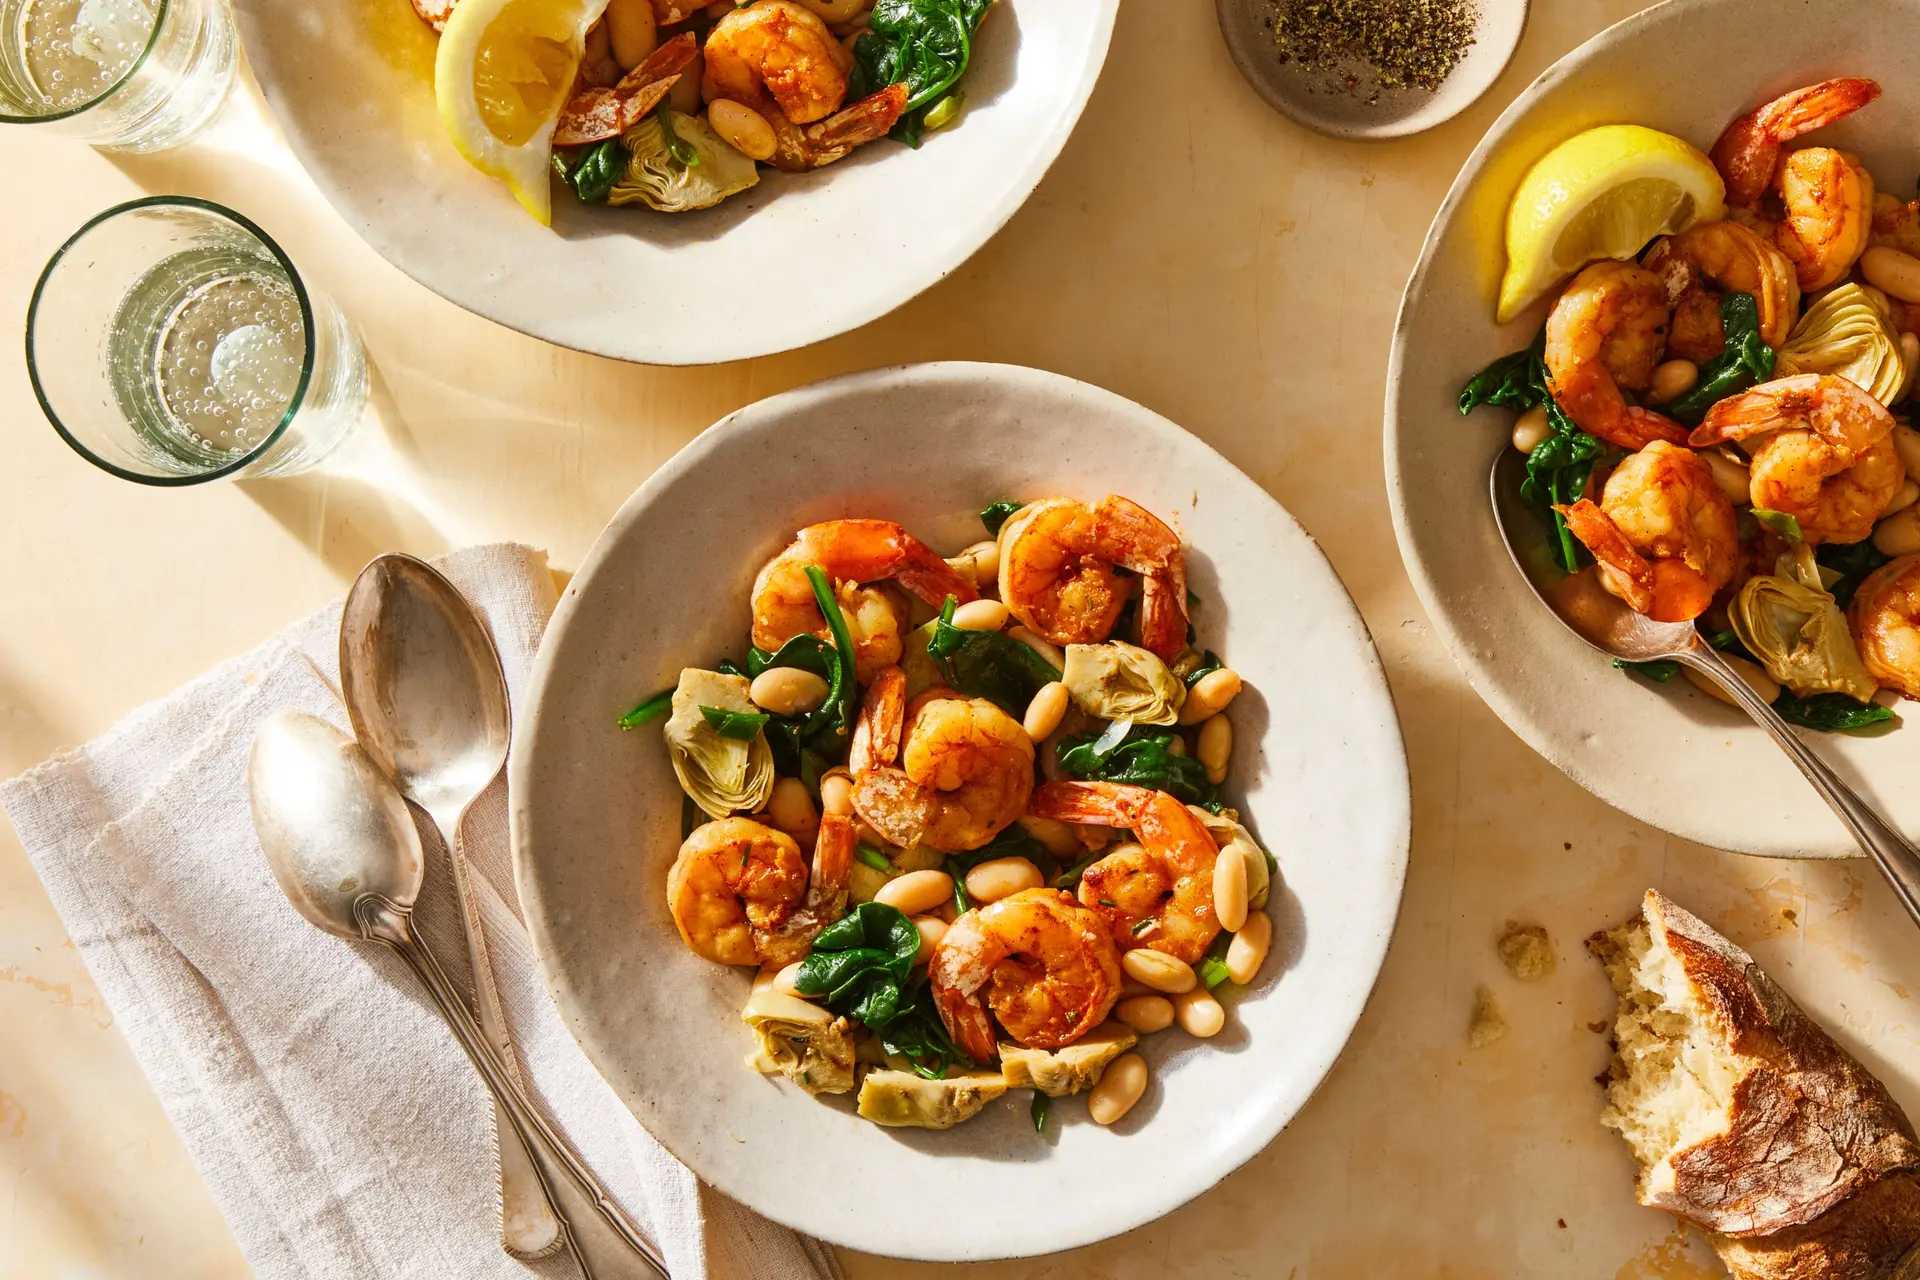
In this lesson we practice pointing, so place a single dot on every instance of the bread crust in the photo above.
(1808, 1127)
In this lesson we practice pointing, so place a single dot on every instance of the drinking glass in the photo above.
(125, 75)
(171, 342)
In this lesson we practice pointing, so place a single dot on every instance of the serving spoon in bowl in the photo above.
(1607, 624)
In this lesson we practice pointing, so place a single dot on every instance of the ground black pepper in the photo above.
(1406, 43)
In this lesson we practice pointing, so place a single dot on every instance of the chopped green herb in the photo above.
(1141, 926)
(652, 709)
(1038, 1110)
(743, 726)
(682, 152)
(1780, 522)
(1212, 971)
(872, 857)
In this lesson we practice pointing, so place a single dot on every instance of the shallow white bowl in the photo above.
(1319, 770)
(797, 259)
(1669, 756)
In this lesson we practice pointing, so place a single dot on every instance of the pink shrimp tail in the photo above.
(1100, 804)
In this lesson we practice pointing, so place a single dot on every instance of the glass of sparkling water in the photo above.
(128, 75)
(171, 342)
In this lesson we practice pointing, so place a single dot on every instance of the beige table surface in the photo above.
(1191, 250)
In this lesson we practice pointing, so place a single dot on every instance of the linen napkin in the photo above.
(340, 1127)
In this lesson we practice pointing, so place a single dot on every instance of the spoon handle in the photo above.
(597, 1233)
(1898, 860)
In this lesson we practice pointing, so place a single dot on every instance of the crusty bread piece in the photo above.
(1746, 1118)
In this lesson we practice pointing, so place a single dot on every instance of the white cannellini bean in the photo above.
(1733, 479)
(999, 878)
(1530, 429)
(1044, 713)
(1248, 950)
(630, 24)
(1040, 645)
(787, 691)
(1899, 533)
(980, 615)
(932, 929)
(742, 128)
(1230, 891)
(1210, 696)
(1121, 1085)
(787, 981)
(1671, 380)
(1145, 1014)
(1214, 747)
(1198, 1013)
(836, 793)
(1906, 443)
(1757, 679)
(838, 10)
(1158, 970)
(916, 892)
(1055, 836)
(790, 809)
(1893, 271)
(1908, 495)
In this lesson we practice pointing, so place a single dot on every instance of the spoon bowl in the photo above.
(336, 833)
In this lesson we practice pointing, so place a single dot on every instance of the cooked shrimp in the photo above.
(1158, 893)
(1665, 536)
(1828, 198)
(734, 882)
(1607, 332)
(1748, 153)
(852, 552)
(1043, 964)
(1734, 259)
(798, 148)
(594, 114)
(1057, 571)
(781, 49)
(826, 899)
(965, 766)
(1886, 624)
(1896, 223)
(1824, 452)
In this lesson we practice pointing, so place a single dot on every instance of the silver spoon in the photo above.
(342, 844)
(428, 701)
(1611, 627)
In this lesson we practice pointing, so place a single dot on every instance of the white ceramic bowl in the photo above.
(1318, 769)
(1669, 756)
(797, 259)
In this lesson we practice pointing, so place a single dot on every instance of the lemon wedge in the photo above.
(1602, 194)
(503, 73)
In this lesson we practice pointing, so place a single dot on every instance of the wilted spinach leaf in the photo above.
(862, 965)
(591, 171)
(803, 745)
(1853, 562)
(927, 44)
(1746, 360)
(987, 664)
(995, 514)
(1143, 758)
(1830, 712)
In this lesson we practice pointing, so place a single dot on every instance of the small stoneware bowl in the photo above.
(1668, 755)
(1327, 101)
(797, 259)
(1318, 773)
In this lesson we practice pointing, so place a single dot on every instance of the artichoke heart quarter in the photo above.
(655, 178)
(901, 1099)
(798, 1039)
(1069, 1069)
(1119, 681)
(1849, 331)
(1791, 624)
(720, 774)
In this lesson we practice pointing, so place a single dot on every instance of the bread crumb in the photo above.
(1527, 951)
(1488, 1023)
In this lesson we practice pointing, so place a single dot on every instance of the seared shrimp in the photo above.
(1042, 963)
(733, 882)
(1828, 199)
(964, 772)
(798, 148)
(1896, 223)
(852, 552)
(780, 49)
(1825, 452)
(1057, 562)
(1886, 624)
(1748, 153)
(1157, 893)
(1664, 535)
(1733, 259)
(826, 899)
(1607, 332)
